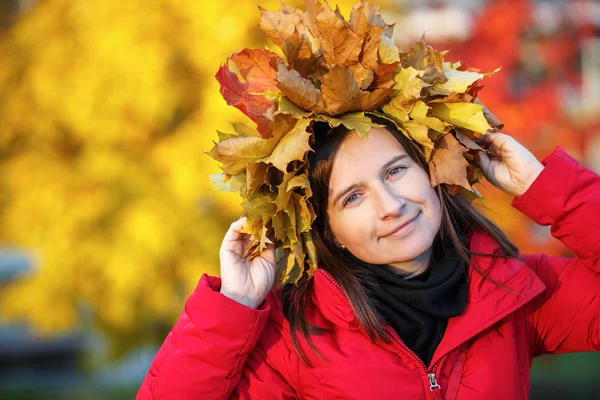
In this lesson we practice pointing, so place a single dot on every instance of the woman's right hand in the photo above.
(245, 280)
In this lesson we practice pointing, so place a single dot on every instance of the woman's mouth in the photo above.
(403, 229)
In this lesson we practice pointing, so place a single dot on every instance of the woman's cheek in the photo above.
(355, 222)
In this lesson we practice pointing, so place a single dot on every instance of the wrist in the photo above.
(247, 301)
(536, 170)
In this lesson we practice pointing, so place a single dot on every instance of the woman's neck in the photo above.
(410, 269)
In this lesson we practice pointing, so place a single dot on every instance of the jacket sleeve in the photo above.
(565, 317)
(219, 349)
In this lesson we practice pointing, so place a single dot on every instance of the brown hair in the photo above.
(458, 218)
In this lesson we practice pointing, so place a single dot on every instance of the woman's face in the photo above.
(381, 206)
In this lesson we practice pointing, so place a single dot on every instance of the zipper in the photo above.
(433, 384)
(431, 376)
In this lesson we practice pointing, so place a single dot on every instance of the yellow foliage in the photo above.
(107, 107)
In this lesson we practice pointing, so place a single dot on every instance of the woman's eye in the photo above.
(351, 199)
(395, 171)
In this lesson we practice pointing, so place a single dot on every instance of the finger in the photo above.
(485, 162)
(487, 138)
(492, 138)
(496, 142)
(234, 233)
(269, 253)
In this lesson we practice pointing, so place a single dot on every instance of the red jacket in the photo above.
(220, 349)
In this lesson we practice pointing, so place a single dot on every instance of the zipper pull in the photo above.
(432, 382)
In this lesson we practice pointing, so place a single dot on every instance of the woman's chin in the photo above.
(409, 251)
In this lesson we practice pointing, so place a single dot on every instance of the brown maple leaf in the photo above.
(384, 76)
(341, 93)
(424, 58)
(340, 45)
(299, 90)
(448, 164)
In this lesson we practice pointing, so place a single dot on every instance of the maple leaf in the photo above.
(364, 16)
(388, 52)
(288, 31)
(420, 134)
(225, 136)
(366, 21)
(259, 211)
(452, 98)
(363, 76)
(284, 28)
(367, 24)
(288, 267)
(357, 122)
(311, 251)
(291, 225)
(238, 183)
(491, 118)
(410, 83)
(365, 70)
(398, 109)
(284, 191)
(255, 176)
(419, 114)
(464, 115)
(474, 174)
(341, 93)
(299, 90)
(293, 146)
(467, 141)
(448, 164)
(474, 89)
(457, 81)
(384, 76)
(339, 44)
(282, 124)
(254, 67)
(380, 114)
(426, 59)
(284, 106)
(237, 152)
(242, 129)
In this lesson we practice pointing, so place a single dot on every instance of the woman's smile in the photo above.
(404, 228)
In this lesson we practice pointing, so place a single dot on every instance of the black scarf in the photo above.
(418, 308)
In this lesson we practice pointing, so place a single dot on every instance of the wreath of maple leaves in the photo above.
(339, 72)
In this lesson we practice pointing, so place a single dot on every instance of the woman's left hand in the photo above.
(509, 166)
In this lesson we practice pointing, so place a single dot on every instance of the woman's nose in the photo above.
(389, 203)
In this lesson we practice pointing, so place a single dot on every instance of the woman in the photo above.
(417, 296)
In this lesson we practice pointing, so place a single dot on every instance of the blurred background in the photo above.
(108, 216)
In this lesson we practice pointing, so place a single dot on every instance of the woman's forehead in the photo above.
(379, 145)
(360, 158)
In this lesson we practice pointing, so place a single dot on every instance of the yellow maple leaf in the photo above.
(465, 115)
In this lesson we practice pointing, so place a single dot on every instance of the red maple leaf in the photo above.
(248, 96)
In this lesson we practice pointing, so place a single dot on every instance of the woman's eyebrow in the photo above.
(343, 192)
(355, 185)
(393, 160)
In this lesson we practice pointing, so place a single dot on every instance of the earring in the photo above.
(338, 244)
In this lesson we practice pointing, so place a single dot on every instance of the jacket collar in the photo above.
(487, 301)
